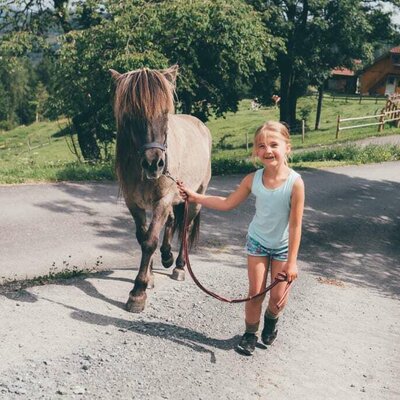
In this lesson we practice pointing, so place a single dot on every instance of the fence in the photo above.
(35, 145)
(394, 115)
(19, 147)
(347, 97)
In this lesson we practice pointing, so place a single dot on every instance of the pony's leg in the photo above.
(179, 271)
(167, 258)
(139, 216)
(137, 296)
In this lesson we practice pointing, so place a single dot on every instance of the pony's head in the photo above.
(143, 99)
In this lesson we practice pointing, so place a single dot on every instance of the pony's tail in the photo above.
(179, 211)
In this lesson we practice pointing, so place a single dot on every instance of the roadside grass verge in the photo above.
(223, 164)
(329, 157)
(54, 276)
(31, 172)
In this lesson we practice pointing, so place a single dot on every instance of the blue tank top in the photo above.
(270, 224)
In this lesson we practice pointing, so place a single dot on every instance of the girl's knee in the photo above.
(258, 300)
(273, 306)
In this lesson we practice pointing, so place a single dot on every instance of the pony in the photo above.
(154, 148)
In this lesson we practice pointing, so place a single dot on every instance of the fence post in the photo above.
(382, 125)
(360, 99)
(303, 130)
(247, 141)
(338, 126)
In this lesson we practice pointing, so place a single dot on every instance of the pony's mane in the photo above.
(142, 94)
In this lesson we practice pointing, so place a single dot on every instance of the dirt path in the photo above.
(338, 339)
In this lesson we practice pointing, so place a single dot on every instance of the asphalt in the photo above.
(339, 337)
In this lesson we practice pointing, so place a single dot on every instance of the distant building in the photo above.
(342, 80)
(382, 77)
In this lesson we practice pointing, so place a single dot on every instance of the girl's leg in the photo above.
(277, 291)
(257, 268)
(269, 332)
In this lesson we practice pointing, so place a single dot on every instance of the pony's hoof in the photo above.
(178, 274)
(167, 262)
(135, 304)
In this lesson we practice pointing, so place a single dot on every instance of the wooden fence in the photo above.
(351, 97)
(31, 142)
(384, 117)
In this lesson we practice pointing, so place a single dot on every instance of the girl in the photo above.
(274, 234)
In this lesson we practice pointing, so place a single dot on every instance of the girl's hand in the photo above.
(186, 193)
(291, 271)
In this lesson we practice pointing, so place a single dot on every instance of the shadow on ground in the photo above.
(351, 226)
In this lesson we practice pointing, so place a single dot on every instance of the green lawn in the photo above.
(230, 132)
(41, 151)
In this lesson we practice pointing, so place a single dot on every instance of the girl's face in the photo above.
(272, 149)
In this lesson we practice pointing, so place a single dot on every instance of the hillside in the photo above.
(42, 151)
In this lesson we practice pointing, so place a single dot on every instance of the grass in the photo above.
(327, 157)
(54, 276)
(40, 152)
(229, 133)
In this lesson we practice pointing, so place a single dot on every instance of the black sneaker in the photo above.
(247, 344)
(269, 333)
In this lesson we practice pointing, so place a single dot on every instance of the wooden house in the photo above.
(382, 77)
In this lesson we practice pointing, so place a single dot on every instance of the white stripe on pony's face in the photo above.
(153, 159)
(153, 163)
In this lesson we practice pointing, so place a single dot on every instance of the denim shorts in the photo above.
(254, 248)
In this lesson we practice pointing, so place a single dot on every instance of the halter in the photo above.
(162, 147)
(153, 145)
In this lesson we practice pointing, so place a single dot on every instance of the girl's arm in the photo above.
(219, 202)
(295, 223)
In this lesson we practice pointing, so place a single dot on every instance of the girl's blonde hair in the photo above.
(271, 128)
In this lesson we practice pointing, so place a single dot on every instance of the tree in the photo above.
(17, 80)
(41, 17)
(217, 45)
(41, 97)
(317, 36)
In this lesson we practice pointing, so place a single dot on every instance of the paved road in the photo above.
(51, 227)
(339, 337)
(352, 216)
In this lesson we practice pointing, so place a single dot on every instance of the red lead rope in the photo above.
(280, 278)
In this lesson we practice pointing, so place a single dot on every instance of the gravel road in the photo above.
(338, 339)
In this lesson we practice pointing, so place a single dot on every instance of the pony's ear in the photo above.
(171, 73)
(115, 75)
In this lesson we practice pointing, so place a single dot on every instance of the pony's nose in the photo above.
(153, 165)
(160, 163)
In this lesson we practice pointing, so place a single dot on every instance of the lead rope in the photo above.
(280, 278)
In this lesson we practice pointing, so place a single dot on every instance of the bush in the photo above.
(226, 166)
(7, 125)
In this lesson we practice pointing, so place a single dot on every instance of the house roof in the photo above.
(342, 72)
(393, 50)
